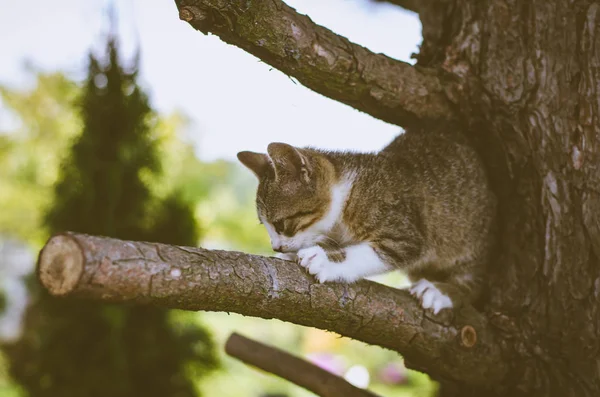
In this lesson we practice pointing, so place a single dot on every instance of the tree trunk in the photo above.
(528, 91)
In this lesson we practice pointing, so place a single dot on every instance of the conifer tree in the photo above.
(79, 348)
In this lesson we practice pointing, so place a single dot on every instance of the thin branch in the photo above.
(291, 368)
(455, 345)
(329, 64)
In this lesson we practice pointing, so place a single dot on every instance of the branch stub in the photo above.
(185, 14)
(468, 336)
(190, 14)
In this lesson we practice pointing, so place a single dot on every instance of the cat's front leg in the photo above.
(347, 264)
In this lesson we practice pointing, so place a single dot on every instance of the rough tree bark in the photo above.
(522, 78)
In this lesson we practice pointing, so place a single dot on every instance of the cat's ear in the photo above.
(288, 160)
(258, 163)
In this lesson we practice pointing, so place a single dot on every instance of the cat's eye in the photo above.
(293, 222)
(279, 226)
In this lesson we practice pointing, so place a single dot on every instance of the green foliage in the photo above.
(2, 301)
(174, 222)
(78, 348)
(73, 348)
(228, 213)
(29, 154)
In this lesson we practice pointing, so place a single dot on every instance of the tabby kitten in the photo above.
(421, 205)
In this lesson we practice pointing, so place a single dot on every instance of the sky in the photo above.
(235, 102)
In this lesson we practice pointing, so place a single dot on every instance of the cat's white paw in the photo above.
(286, 256)
(315, 260)
(434, 299)
(418, 288)
(430, 296)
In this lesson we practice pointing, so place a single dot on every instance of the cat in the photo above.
(422, 205)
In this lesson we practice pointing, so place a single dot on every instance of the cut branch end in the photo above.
(60, 265)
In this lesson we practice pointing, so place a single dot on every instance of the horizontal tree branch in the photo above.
(458, 346)
(323, 61)
(291, 368)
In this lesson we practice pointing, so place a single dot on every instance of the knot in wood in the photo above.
(468, 336)
(185, 14)
(190, 14)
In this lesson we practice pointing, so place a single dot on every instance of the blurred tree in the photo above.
(45, 123)
(77, 348)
